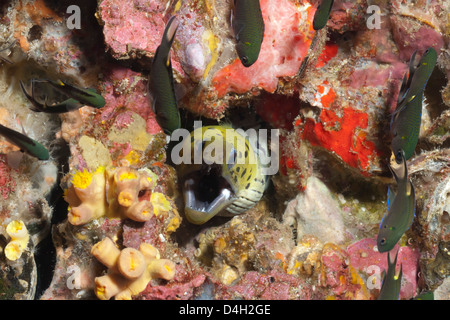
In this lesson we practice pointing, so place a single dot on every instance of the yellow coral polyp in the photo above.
(127, 175)
(160, 203)
(13, 251)
(14, 227)
(168, 268)
(132, 157)
(100, 292)
(173, 225)
(125, 199)
(81, 179)
(18, 232)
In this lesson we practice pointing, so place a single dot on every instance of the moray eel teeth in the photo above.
(202, 199)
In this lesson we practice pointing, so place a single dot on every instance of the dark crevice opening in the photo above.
(45, 252)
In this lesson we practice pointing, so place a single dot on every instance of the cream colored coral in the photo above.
(126, 185)
(86, 197)
(115, 192)
(130, 270)
(18, 232)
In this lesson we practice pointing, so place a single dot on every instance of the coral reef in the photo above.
(109, 200)
(122, 192)
(130, 270)
(87, 197)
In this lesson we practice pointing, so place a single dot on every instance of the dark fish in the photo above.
(406, 119)
(405, 128)
(65, 106)
(248, 27)
(25, 143)
(392, 280)
(401, 208)
(161, 82)
(417, 79)
(322, 14)
(85, 96)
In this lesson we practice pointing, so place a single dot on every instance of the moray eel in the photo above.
(248, 27)
(227, 180)
(405, 121)
(401, 207)
(392, 280)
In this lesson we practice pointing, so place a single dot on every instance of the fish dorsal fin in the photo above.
(406, 85)
(403, 89)
(412, 69)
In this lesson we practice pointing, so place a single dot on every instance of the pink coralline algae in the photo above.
(339, 276)
(366, 259)
(125, 90)
(423, 37)
(127, 24)
(183, 286)
(275, 285)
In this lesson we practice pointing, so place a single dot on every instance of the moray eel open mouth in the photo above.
(228, 181)
(206, 193)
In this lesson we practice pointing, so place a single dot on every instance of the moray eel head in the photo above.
(227, 180)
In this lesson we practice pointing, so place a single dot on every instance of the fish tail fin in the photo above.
(35, 106)
(392, 263)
